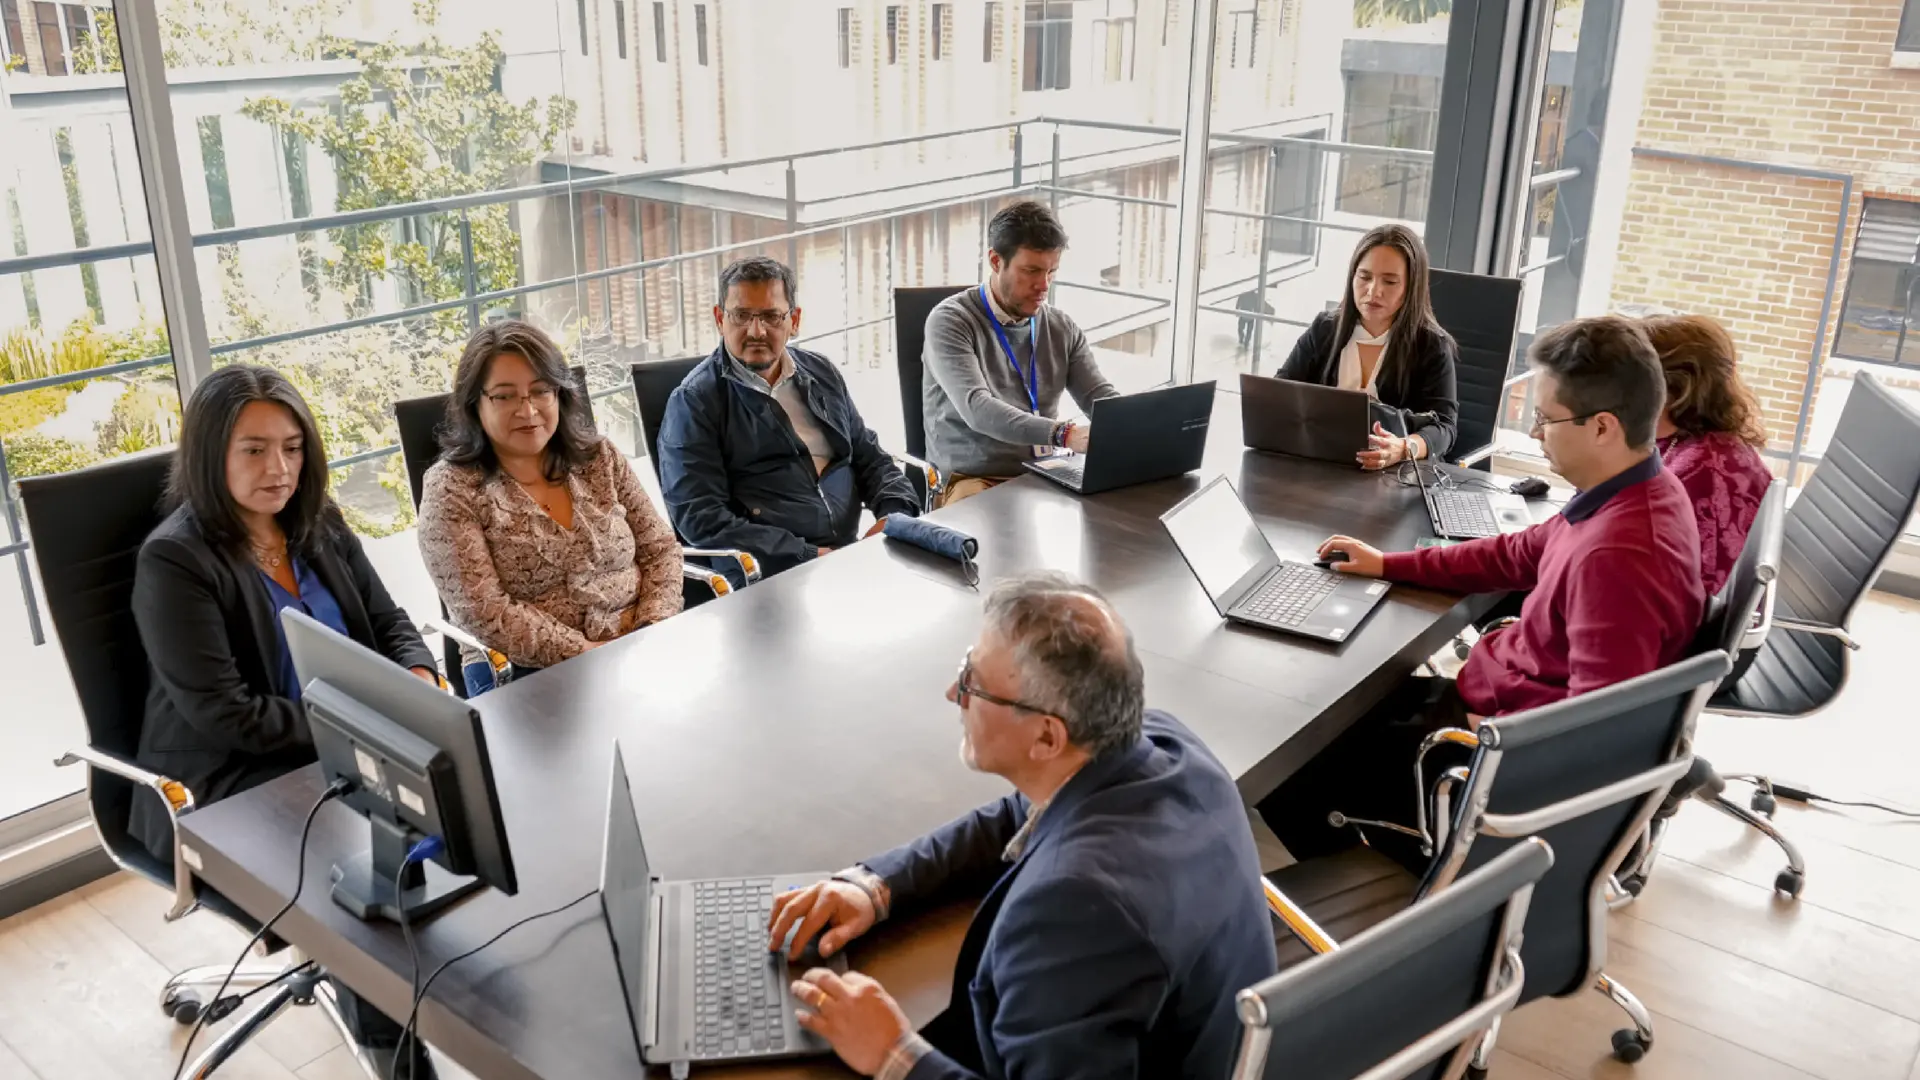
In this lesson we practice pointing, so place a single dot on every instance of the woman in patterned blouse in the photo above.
(1710, 436)
(536, 531)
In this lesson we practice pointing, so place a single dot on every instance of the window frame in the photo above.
(1906, 36)
(700, 33)
(941, 14)
(659, 31)
(581, 7)
(1909, 275)
(986, 40)
(843, 23)
(896, 28)
(620, 27)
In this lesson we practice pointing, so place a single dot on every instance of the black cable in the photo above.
(1866, 804)
(403, 1047)
(413, 1014)
(334, 791)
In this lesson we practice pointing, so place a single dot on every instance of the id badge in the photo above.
(1049, 451)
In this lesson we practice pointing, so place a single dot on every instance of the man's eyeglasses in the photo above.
(740, 318)
(964, 690)
(1542, 420)
(541, 396)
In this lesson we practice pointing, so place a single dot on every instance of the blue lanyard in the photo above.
(1031, 376)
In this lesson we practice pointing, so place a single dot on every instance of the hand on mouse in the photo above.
(1362, 559)
(844, 908)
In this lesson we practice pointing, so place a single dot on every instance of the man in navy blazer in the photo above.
(1123, 905)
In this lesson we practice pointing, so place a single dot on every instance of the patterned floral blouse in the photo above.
(1726, 479)
(527, 586)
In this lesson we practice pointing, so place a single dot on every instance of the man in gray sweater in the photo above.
(998, 358)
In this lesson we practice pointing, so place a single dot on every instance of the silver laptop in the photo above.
(1459, 513)
(1248, 583)
(699, 981)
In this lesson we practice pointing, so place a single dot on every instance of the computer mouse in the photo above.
(1326, 561)
(1529, 487)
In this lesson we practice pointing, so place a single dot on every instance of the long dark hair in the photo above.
(1411, 323)
(198, 480)
(463, 441)
(1704, 391)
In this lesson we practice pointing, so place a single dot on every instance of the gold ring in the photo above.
(819, 998)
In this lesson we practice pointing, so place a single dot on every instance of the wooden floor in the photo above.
(1742, 984)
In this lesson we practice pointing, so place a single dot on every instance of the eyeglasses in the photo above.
(1542, 420)
(965, 690)
(541, 396)
(740, 318)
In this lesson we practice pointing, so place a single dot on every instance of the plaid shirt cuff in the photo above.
(873, 885)
(905, 1054)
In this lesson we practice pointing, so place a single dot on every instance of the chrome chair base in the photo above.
(1629, 1044)
(297, 984)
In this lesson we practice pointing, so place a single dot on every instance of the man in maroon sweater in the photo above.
(1612, 582)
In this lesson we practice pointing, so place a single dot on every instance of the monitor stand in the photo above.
(365, 883)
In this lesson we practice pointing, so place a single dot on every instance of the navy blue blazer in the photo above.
(1114, 946)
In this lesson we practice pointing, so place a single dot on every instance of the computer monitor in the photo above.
(417, 760)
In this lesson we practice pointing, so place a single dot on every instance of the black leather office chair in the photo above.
(1409, 997)
(87, 528)
(1585, 775)
(1483, 315)
(911, 306)
(1835, 538)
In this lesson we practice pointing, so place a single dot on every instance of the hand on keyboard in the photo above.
(855, 1014)
(844, 910)
(1362, 559)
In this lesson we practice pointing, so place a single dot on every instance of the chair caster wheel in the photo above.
(1763, 803)
(1790, 881)
(1628, 1046)
(184, 1009)
(1475, 1072)
(1633, 883)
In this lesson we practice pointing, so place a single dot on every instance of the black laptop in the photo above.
(1248, 583)
(700, 983)
(1137, 438)
(1307, 420)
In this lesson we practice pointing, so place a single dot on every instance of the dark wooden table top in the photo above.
(799, 725)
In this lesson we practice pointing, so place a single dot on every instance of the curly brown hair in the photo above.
(1704, 391)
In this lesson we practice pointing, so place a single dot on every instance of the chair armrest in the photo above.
(1838, 633)
(712, 579)
(1762, 623)
(1298, 922)
(1443, 803)
(1474, 457)
(749, 565)
(1456, 736)
(926, 468)
(447, 629)
(173, 795)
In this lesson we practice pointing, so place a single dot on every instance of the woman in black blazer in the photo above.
(1384, 340)
(253, 532)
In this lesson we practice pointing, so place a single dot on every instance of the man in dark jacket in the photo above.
(762, 448)
(1123, 906)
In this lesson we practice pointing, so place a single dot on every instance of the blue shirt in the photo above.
(314, 601)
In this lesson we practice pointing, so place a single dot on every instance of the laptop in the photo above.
(1248, 583)
(1459, 513)
(699, 982)
(1137, 438)
(1306, 420)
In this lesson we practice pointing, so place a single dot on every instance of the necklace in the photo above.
(540, 491)
(266, 555)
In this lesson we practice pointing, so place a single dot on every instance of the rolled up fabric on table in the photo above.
(938, 539)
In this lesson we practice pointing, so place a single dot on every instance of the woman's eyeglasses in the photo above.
(541, 396)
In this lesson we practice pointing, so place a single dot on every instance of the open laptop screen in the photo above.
(1220, 541)
(626, 894)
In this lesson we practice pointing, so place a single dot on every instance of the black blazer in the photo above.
(1426, 384)
(215, 719)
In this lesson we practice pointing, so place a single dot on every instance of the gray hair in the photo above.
(755, 269)
(1071, 661)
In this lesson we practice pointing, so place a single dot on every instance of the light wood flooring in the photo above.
(1742, 983)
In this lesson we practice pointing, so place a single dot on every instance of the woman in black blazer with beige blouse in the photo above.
(1384, 340)
(253, 532)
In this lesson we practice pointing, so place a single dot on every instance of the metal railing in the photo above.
(1017, 183)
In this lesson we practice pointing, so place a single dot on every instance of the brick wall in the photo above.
(1793, 82)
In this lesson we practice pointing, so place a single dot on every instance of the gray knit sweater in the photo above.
(978, 418)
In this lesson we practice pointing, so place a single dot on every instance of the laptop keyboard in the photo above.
(1073, 470)
(741, 1007)
(1290, 594)
(1464, 514)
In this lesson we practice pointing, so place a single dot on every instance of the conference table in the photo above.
(800, 725)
